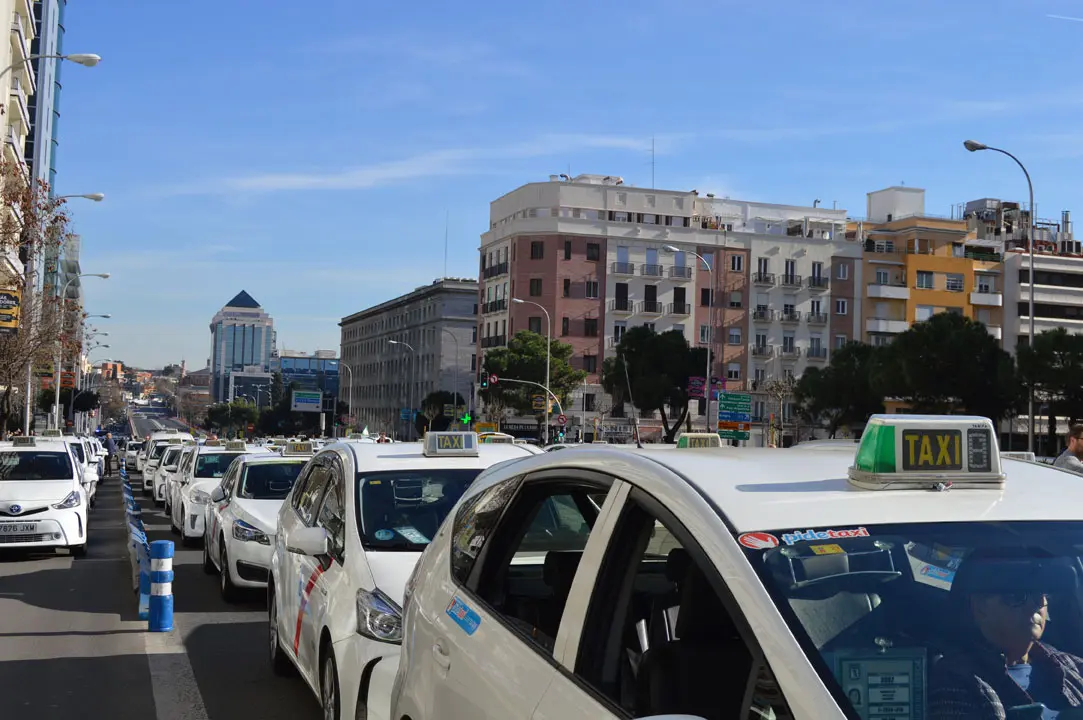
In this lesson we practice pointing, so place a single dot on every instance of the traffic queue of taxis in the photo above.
(919, 573)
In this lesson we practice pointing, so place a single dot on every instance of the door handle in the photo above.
(440, 653)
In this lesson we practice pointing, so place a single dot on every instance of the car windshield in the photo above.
(402, 510)
(77, 448)
(135, 445)
(170, 457)
(158, 451)
(35, 466)
(269, 481)
(934, 620)
(214, 465)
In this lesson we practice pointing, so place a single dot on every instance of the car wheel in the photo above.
(280, 664)
(229, 590)
(208, 565)
(329, 696)
(78, 551)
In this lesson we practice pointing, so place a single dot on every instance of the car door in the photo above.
(326, 575)
(503, 607)
(220, 513)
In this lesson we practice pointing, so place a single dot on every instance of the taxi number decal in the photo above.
(451, 442)
(932, 449)
(826, 549)
(461, 614)
(412, 534)
(938, 573)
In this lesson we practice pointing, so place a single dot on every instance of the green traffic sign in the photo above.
(734, 401)
(734, 435)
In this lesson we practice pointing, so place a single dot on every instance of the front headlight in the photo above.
(249, 533)
(378, 617)
(200, 498)
(73, 500)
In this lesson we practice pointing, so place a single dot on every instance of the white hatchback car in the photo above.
(202, 470)
(349, 535)
(904, 577)
(42, 500)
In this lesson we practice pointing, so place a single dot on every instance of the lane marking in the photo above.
(304, 604)
(176, 692)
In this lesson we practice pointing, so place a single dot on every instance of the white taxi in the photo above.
(917, 574)
(242, 516)
(158, 444)
(201, 472)
(348, 537)
(86, 470)
(42, 501)
(167, 467)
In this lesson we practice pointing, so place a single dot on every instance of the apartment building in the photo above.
(917, 265)
(397, 352)
(17, 121)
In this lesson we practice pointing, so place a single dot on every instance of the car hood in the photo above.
(391, 570)
(35, 490)
(261, 513)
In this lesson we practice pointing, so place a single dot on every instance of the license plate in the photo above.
(9, 528)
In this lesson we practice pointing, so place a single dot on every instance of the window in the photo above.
(759, 374)
(594, 251)
(474, 334)
(984, 284)
(537, 250)
(634, 619)
(705, 297)
(567, 249)
(533, 324)
(925, 280)
(590, 402)
(736, 299)
(590, 327)
(817, 270)
(649, 326)
(815, 307)
(840, 341)
(590, 363)
(679, 327)
(815, 342)
(535, 287)
(924, 312)
(842, 271)
(763, 266)
(954, 282)
(309, 491)
(761, 339)
(733, 371)
(332, 513)
(704, 334)
(619, 329)
(567, 290)
(474, 523)
(474, 362)
(841, 306)
(591, 289)
(787, 342)
(790, 269)
(734, 337)
(564, 326)
(737, 263)
(882, 277)
(985, 317)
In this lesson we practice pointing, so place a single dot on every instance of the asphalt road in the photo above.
(71, 644)
(146, 424)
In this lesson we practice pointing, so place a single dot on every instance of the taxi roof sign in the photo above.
(51, 433)
(922, 452)
(501, 438)
(213, 443)
(699, 440)
(451, 444)
(299, 448)
(234, 445)
(24, 441)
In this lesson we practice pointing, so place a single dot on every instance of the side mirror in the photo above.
(218, 495)
(311, 541)
(171, 468)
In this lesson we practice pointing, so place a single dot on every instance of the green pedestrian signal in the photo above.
(465, 419)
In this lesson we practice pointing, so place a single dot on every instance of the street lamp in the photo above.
(95, 197)
(455, 384)
(710, 330)
(975, 146)
(59, 346)
(413, 363)
(548, 356)
(349, 392)
(84, 59)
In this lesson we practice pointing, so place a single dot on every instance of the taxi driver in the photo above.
(1002, 608)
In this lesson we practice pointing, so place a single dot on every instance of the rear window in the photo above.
(214, 465)
(272, 481)
(35, 466)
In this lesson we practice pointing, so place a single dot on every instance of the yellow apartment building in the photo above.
(916, 265)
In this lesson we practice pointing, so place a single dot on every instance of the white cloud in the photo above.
(1065, 17)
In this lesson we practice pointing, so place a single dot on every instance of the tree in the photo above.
(524, 359)
(231, 417)
(659, 366)
(432, 411)
(949, 364)
(1053, 367)
(841, 393)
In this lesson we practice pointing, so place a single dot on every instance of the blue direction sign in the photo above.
(733, 416)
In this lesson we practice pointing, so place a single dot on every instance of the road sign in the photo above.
(485, 427)
(562, 419)
(734, 402)
(404, 414)
(538, 402)
(733, 435)
(305, 401)
(251, 427)
(738, 426)
(493, 379)
(729, 416)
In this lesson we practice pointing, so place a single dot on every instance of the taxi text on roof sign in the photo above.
(236, 445)
(298, 448)
(24, 441)
(451, 444)
(906, 452)
(699, 440)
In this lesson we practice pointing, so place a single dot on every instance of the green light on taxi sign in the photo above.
(876, 454)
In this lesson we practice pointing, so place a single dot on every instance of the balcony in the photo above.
(651, 307)
(883, 325)
(817, 283)
(789, 316)
(495, 270)
(680, 309)
(994, 330)
(793, 281)
(494, 306)
(21, 45)
(763, 351)
(888, 291)
(815, 318)
(791, 353)
(679, 272)
(621, 305)
(652, 270)
(19, 100)
(624, 268)
(494, 341)
(763, 315)
(763, 278)
(816, 353)
(988, 299)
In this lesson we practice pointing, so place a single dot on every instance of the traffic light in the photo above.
(484, 385)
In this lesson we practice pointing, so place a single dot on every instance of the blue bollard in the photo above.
(161, 586)
(144, 581)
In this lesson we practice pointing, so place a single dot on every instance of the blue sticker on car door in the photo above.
(461, 614)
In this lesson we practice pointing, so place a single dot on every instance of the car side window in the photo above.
(312, 492)
(525, 573)
(474, 522)
(299, 487)
(332, 512)
(661, 621)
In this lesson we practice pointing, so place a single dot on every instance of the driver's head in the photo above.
(1075, 439)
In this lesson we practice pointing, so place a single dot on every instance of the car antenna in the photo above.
(628, 385)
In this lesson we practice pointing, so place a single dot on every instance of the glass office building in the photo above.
(242, 341)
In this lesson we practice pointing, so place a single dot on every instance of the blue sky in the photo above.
(309, 152)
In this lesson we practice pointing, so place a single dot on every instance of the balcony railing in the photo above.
(762, 351)
(624, 268)
(680, 309)
(680, 272)
(815, 318)
(763, 315)
(790, 316)
(651, 306)
(763, 278)
(623, 305)
(789, 353)
(817, 283)
(494, 341)
(494, 306)
(495, 270)
(816, 353)
(652, 270)
(791, 280)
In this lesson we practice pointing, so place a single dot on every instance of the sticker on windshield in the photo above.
(938, 573)
(411, 534)
(797, 536)
(463, 616)
(826, 549)
(758, 541)
(384, 535)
